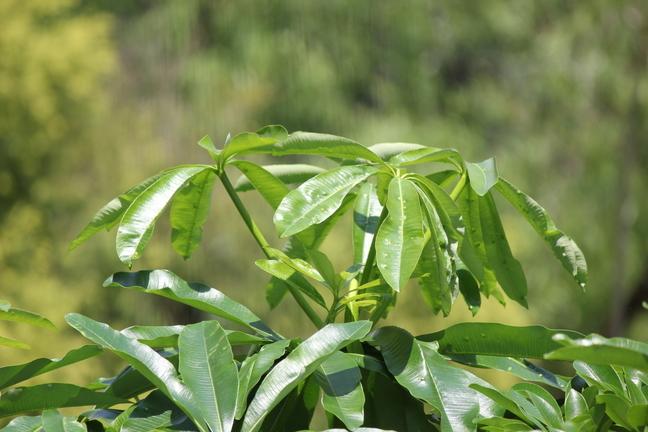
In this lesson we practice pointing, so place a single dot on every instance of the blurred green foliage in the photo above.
(97, 95)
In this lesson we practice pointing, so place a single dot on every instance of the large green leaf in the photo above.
(596, 349)
(287, 174)
(246, 142)
(366, 219)
(46, 396)
(318, 198)
(496, 340)
(167, 284)
(189, 210)
(146, 208)
(10, 375)
(419, 368)
(24, 424)
(295, 411)
(208, 369)
(563, 247)
(331, 146)
(272, 189)
(339, 377)
(144, 359)
(8, 313)
(253, 368)
(167, 336)
(53, 421)
(298, 365)
(110, 214)
(388, 150)
(426, 155)
(483, 175)
(400, 239)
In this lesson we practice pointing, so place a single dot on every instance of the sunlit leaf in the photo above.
(483, 175)
(339, 377)
(287, 174)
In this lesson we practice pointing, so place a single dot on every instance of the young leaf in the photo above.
(7, 313)
(277, 132)
(207, 143)
(483, 175)
(400, 239)
(167, 284)
(426, 155)
(563, 247)
(331, 146)
(427, 375)
(270, 187)
(246, 142)
(388, 150)
(318, 198)
(289, 275)
(596, 349)
(287, 174)
(575, 404)
(208, 370)
(189, 210)
(366, 218)
(146, 208)
(297, 366)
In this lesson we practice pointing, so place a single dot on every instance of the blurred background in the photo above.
(98, 95)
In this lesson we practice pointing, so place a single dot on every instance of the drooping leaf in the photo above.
(318, 198)
(287, 174)
(366, 218)
(596, 349)
(10, 375)
(388, 150)
(543, 401)
(400, 238)
(496, 340)
(309, 143)
(144, 359)
(267, 184)
(189, 210)
(419, 368)
(208, 370)
(288, 274)
(426, 155)
(8, 313)
(144, 210)
(110, 214)
(167, 284)
(563, 247)
(483, 175)
(469, 289)
(253, 368)
(246, 142)
(339, 377)
(51, 396)
(297, 366)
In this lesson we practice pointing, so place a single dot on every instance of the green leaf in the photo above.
(418, 367)
(277, 132)
(483, 175)
(366, 218)
(270, 187)
(616, 408)
(46, 396)
(543, 401)
(288, 274)
(189, 210)
(400, 239)
(167, 336)
(496, 340)
(208, 369)
(563, 247)
(603, 377)
(287, 174)
(147, 424)
(596, 349)
(24, 424)
(146, 208)
(507, 269)
(167, 284)
(295, 411)
(388, 150)
(13, 343)
(110, 214)
(10, 375)
(246, 142)
(575, 404)
(207, 143)
(309, 143)
(55, 422)
(253, 368)
(426, 155)
(298, 365)
(318, 198)
(469, 289)
(339, 377)
(25, 317)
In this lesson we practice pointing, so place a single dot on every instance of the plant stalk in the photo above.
(265, 247)
(459, 186)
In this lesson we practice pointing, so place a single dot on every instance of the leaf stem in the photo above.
(458, 187)
(265, 246)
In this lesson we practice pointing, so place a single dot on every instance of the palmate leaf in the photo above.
(140, 217)
(343, 396)
(10, 375)
(598, 350)
(563, 247)
(208, 369)
(297, 366)
(167, 284)
(318, 198)
(50, 396)
(400, 238)
(189, 210)
(287, 174)
(366, 219)
(309, 143)
(419, 368)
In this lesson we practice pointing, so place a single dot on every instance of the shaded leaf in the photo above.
(388, 150)
(366, 219)
(339, 377)
(287, 174)
(596, 349)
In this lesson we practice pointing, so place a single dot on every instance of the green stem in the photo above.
(458, 187)
(266, 248)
